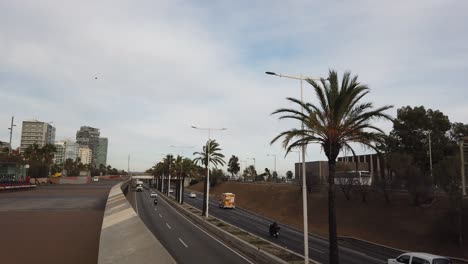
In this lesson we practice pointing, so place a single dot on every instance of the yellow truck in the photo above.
(227, 200)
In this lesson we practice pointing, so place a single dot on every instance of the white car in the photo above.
(171, 191)
(153, 194)
(419, 258)
(95, 179)
(193, 195)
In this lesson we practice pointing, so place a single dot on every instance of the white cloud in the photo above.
(163, 66)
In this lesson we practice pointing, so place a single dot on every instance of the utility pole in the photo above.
(11, 133)
(128, 165)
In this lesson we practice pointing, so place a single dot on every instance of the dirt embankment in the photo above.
(398, 224)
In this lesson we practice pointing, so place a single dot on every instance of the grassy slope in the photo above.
(398, 224)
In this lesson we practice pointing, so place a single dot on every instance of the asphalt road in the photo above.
(53, 223)
(292, 238)
(184, 240)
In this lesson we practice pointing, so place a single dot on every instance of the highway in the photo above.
(292, 238)
(184, 240)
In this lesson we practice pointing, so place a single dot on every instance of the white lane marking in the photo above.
(317, 250)
(361, 254)
(181, 241)
(215, 239)
(160, 215)
(261, 228)
(168, 226)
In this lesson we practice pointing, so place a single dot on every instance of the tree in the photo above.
(336, 121)
(266, 174)
(448, 171)
(289, 174)
(233, 165)
(410, 135)
(40, 159)
(212, 151)
(274, 175)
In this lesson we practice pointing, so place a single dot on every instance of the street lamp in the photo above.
(255, 166)
(207, 197)
(273, 155)
(301, 78)
(181, 187)
(11, 132)
(428, 134)
(245, 166)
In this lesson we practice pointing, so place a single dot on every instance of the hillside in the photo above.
(398, 224)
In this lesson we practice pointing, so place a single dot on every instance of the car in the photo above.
(171, 191)
(95, 179)
(193, 195)
(153, 194)
(139, 188)
(419, 258)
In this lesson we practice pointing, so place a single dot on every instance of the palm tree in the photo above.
(337, 120)
(212, 151)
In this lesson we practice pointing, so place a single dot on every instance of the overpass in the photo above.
(143, 177)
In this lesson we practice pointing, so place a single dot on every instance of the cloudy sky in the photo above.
(164, 65)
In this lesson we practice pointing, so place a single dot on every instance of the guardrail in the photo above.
(125, 239)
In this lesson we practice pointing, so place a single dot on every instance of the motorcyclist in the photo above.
(274, 228)
(155, 201)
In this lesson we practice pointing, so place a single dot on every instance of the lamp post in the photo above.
(245, 166)
(207, 186)
(304, 187)
(428, 133)
(254, 161)
(181, 187)
(11, 132)
(273, 155)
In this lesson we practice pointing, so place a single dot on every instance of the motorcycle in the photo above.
(274, 231)
(155, 201)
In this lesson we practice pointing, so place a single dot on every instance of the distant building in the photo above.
(66, 149)
(101, 154)
(36, 132)
(369, 162)
(89, 137)
(317, 171)
(85, 155)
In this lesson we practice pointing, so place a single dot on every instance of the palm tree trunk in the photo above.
(332, 232)
(204, 193)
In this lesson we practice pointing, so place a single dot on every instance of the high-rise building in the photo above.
(36, 132)
(66, 149)
(88, 137)
(101, 154)
(85, 154)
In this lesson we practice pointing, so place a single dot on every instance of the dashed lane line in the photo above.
(181, 241)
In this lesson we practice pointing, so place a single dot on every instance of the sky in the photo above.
(144, 72)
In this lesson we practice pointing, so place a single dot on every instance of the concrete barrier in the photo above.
(125, 239)
(62, 180)
(255, 254)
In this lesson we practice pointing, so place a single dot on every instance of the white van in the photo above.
(419, 258)
(139, 188)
